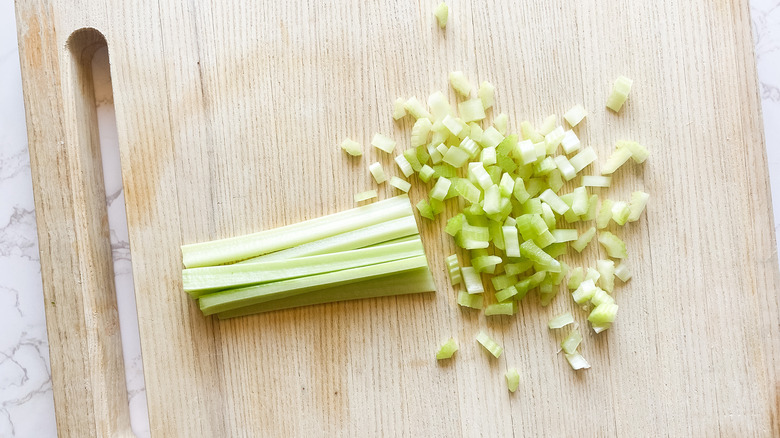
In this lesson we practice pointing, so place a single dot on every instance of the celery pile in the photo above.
(369, 251)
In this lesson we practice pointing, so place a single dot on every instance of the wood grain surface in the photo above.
(229, 116)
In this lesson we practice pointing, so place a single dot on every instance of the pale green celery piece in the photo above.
(472, 280)
(434, 153)
(437, 206)
(615, 247)
(576, 361)
(637, 205)
(529, 283)
(420, 132)
(506, 185)
(554, 180)
(352, 147)
(491, 137)
(455, 224)
(474, 301)
(577, 275)
(512, 379)
(422, 154)
(620, 212)
(442, 148)
(519, 191)
(499, 309)
(491, 201)
(475, 211)
(481, 252)
(575, 115)
(463, 132)
(511, 241)
(607, 270)
(623, 272)
(557, 277)
(584, 292)
(544, 240)
(411, 157)
(592, 274)
(476, 132)
(470, 147)
(518, 268)
(541, 150)
(480, 175)
(467, 190)
(567, 170)
(400, 184)
(557, 249)
(453, 268)
(601, 297)
(377, 172)
(528, 132)
(605, 214)
(544, 167)
(526, 227)
(554, 201)
(501, 123)
(553, 139)
(416, 108)
(426, 172)
(593, 208)
(537, 223)
(603, 314)
(438, 105)
(452, 124)
(639, 153)
(409, 282)
(534, 186)
(619, 94)
(471, 110)
(561, 321)
(489, 344)
(600, 328)
(461, 84)
(563, 235)
(548, 216)
(447, 349)
(510, 222)
(504, 281)
(424, 207)
(579, 203)
(583, 158)
(440, 189)
(383, 143)
(569, 215)
(617, 159)
(364, 196)
(486, 94)
(496, 234)
(404, 165)
(235, 298)
(486, 264)
(584, 239)
(548, 124)
(488, 156)
(441, 13)
(398, 108)
(505, 294)
(525, 152)
(437, 136)
(531, 251)
(197, 281)
(572, 341)
(570, 142)
(596, 181)
(532, 206)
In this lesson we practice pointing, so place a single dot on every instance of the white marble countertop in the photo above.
(26, 404)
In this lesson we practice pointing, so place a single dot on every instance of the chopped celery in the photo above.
(563, 235)
(525, 151)
(383, 143)
(560, 321)
(441, 13)
(473, 301)
(519, 191)
(501, 282)
(620, 212)
(444, 170)
(572, 341)
(544, 167)
(398, 109)
(592, 274)
(593, 208)
(605, 214)
(575, 115)
(529, 250)
(554, 201)
(416, 108)
(548, 124)
(453, 267)
(501, 123)
(637, 205)
(363, 196)
(548, 216)
(512, 379)
(486, 264)
(460, 84)
(400, 184)
(601, 297)
(489, 344)
(467, 190)
(583, 158)
(471, 110)
(603, 314)
(471, 280)
(544, 240)
(422, 154)
(511, 241)
(547, 292)
(439, 105)
(556, 249)
(352, 147)
(491, 137)
(492, 198)
(639, 153)
(567, 170)
(411, 157)
(518, 268)
(478, 172)
(584, 292)
(596, 181)
(452, 124)
(442, 148)
(499, 309)
(377, 172)
(529, 283)
(470, 147)
(579, 204)
(617, 159)
(576, 361)
(554, 180)
(623, 272)
(619, 94)
(506, 185)
(528, 132)
(455, 224)
(486, 94)
(615, 247)
(424, 207)
(570, 142)
(553, 139)
(420, 132)
(447, 349)
(606, 269)
(488, 156)
(404, 165)
(440, 189)
(505, 294)
(426, 172)
(577, 275)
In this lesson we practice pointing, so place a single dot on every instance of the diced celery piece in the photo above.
(505, 294)
(404, 165)
(605, 214)
(512, 379)
(561, 321)
(593, 208)
(473, 301)
(420, 132)
(529, 250)
(441, 13)
(577, 275)
(486, 264)
(600, 328)
(501, 122)
(532, 206)
(470, 147)
(352, 147)
(623, 272)
(572, 341)
(499, 309)
(477, 170)
(603, 314)
(584, 292)
(592, 274)
(383, 143)
(452, 124)
(474, 237)
(424, 207)
(540, 149)
(569, 215)
(444, 170)
(363, 196)
(416, 108)
(570, 142)
(575, 115)
(440, 189)
(453, 267)
(486, 94)
(398, 108)
(422, 154)
(504, 281)
(461, 84)
(525, 152)
(562, 235)
(449, 348)
(548, 124)
(596, 181)
(554, 201)
(471, 280)
(615, 247)
(567, 170)
(547, 292)
(557, 249)
(579, 204)
(411, 157)
(400, 184)
(553, 139)
(554, 180)
(491, 137)
(617, 159)
(548, 216)
(528, 132)
(492, 198)
(544, 240)
(495, 173)
(511, 241)
(377, 172)
(576, 361)
(584, 239)
(426, 172)
(455, 224)
(488, 156)
(442, 148)
(489, 344)
(506, 185)
(619, 94)
(529, 283)
(637, 205)
(620, 212)
(583, 158)
(606, 269)
(518, 268)
(544, 167)
(639, 153)
(467, 190)
(471, 110)
(519, 191)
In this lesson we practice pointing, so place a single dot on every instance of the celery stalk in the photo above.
(453, 267)
(472, 280)
(512, 379)
(615, 247)
(596, 181)
(352, 147)
(486, 94)
(441, 13)
(576, 361)
(383, 143)
(489, 344)
(400, 184)
(461, 85)
(619, 94)
(622, 272)
(606, 269)
(473, 301)
(377, 172)
(575, 115)
(499, 309)
(447, 349)
(398, 109)
(572, 341)
(561, 321)
(637, 205)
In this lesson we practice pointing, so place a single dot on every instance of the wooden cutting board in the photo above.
(229, 115)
